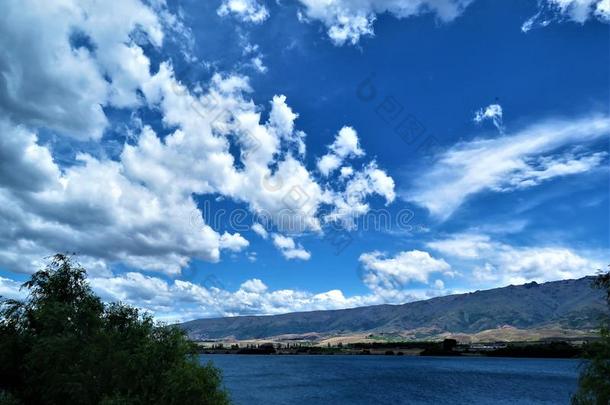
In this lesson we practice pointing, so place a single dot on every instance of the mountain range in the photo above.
(558, 305)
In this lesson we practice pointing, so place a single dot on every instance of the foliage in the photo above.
(594, 381)
(541, 350)
(63, 345)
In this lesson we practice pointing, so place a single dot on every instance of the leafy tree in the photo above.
(63, 345)
(594, 381)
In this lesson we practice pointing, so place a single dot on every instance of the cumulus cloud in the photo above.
(24, 165)
(289, 248)
(233, 242)
(345, 145)
(513, 161)
(351, 203)
(139, 209)
(62, 62)
(578, 11)
(347, 21)
(245, 10)
(94, 208)
(180, 300)
(499, 263)
(388, 276)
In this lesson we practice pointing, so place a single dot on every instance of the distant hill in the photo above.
(567, 304)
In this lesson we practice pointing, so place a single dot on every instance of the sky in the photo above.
(247, 157)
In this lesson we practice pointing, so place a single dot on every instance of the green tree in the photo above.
(63, 345)
(594, 381)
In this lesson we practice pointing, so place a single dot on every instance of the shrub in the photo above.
(594, 381)
(64, 345)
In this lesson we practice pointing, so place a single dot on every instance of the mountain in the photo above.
(567, 304)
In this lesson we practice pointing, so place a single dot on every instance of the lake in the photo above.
(254, 379)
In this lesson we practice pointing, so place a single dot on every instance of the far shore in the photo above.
(447, 347)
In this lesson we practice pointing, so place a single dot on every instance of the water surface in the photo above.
(253, 379)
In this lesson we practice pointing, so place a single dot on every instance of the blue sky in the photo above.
(257, 157)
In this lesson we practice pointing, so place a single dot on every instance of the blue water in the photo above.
(312, 380)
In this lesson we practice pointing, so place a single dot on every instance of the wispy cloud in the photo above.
(492, 112)
(522, 159)
(579, 11)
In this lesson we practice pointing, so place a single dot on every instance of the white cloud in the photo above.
(347, 21)
(95, 209)
(492, 112)
(138, 208)
(521, 159)
(52, 81)
(256, 58)
(24, 165)
(258, 64)
(289, 248)
(500, 264)
(281, 117)
(255, 285)
(183, 300)
(350, 203)
(547, 167)
(260, 230)
(347, 171)
(387, 276)
(346, 145)
(233, 242)
(328, 163)
(465, 246)
(245, 10)
(578, 11)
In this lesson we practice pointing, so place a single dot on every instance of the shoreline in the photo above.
(446, 348)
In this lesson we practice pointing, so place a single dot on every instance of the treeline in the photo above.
(543, 350)
(448, 347)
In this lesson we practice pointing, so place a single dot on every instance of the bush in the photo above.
(63, 345)
(594, 381)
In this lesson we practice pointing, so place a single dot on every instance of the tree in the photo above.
(594, 380)
(64, 345)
